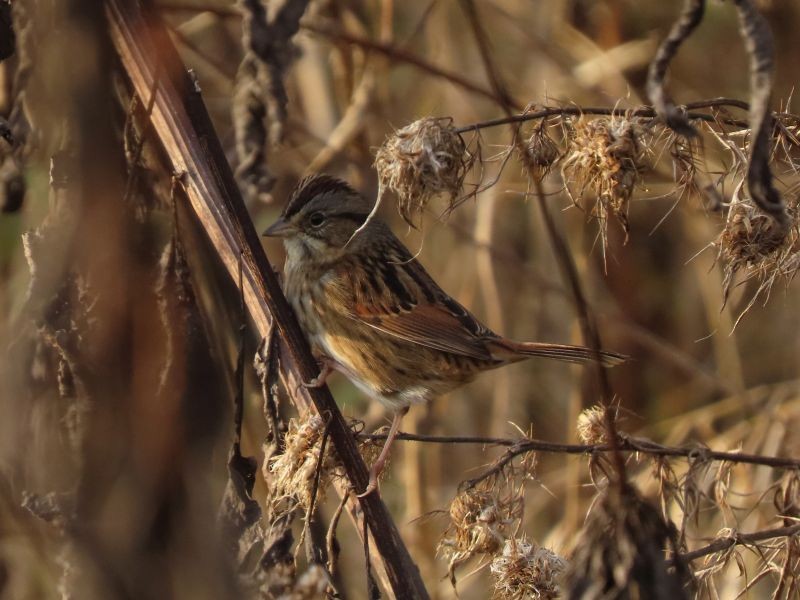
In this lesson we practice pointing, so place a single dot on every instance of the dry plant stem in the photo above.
(499, 88)
(642, 111)
(724, 543)
(758, 40)
(387, 49)
(687, 22)
(591, 336)
(184, 129)
(626, 444)
(395, 53)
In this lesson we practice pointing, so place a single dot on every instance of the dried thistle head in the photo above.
(480, 519)
(419, 161)
(293, 472)
(540, 153)
(605, 157)
(754, 244)
(592, 426)
(525, 570)
(621, 552)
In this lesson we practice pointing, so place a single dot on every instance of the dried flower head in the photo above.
(419, 161)
(525, 570)
(605, 157)
(621, 552)
(753, 243)
(294, 471)
(479, 522)
(540, 153)
(592, 426)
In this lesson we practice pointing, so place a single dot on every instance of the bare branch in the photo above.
(627, 444)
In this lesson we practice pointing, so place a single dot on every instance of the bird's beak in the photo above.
(280, 228)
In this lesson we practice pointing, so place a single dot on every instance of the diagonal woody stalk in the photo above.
(180, 121)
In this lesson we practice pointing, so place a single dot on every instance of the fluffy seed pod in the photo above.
(755, 244)
(421, 160)
(605, 157)
(524, 570)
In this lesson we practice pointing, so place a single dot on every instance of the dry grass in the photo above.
(115, 379)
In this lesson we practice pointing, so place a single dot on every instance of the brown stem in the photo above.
(183, 127)
(626, 444)
(589, 332)
(399, 54)
(642, 111)
(740, 539)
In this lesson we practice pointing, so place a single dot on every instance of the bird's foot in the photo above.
(325, 371)
(372, 486)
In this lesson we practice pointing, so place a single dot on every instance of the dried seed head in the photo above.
(525, 570)
(621, 552)
(479, 522)
(540, 153)
(419, 161)
(592, 426)
(294, 471)
(753, 243)
(606, 157)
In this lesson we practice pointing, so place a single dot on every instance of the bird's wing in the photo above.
(403, 301)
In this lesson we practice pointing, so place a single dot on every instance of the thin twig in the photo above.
(482, 39)
(395, 53)
(737, 539)
(626, 444)
(642, 111)
(589, 331)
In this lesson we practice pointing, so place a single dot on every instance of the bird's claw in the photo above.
(325, 370)
(372, 486)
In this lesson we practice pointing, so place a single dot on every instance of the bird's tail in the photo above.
(512, 351)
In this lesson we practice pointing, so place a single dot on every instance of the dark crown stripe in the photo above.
(311, 187)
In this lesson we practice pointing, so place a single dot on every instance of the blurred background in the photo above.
(125, 475)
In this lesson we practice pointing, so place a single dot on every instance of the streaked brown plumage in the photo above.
(373, 311)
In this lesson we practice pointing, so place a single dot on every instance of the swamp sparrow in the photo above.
(376, 315)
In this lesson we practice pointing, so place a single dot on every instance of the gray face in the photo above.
(320, 219)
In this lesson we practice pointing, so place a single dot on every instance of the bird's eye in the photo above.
(316, 219)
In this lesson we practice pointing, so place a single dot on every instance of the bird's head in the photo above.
(321, 217)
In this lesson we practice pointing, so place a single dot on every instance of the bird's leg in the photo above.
(326, 367)
(378, 465)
